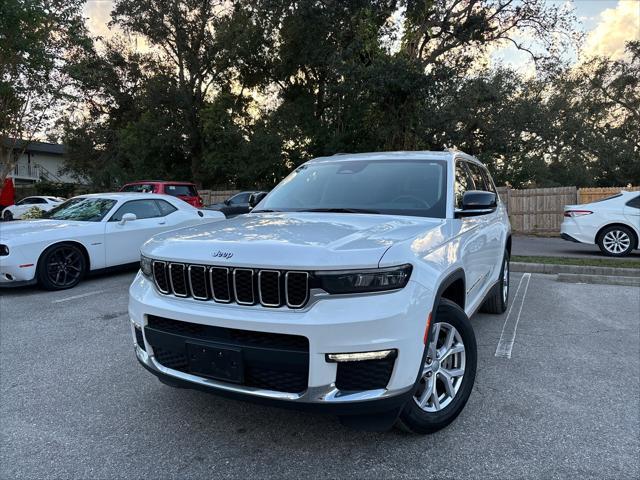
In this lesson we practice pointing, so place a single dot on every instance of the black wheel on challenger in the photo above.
(447, 374)
(498, 298)
(8, 216)
(61, 266)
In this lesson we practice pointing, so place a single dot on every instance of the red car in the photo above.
(183, 190)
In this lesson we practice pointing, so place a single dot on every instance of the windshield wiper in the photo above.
(265, 211)
(339, 210)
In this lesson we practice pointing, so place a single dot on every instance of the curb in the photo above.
(575, 270)
(598, 279)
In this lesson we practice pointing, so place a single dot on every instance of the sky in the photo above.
(608, 24)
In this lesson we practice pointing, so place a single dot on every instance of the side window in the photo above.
(489, 181)
(478, 177)
(141, 209)
(462, 183)
(165, 208)
(634, 202)
(39, 201)
(240, 199)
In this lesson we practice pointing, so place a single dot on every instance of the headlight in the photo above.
(4, 250)
(146, 266)
(374, 280)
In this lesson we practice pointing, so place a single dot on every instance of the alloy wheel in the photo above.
(64, 266)
(505, 281)
(616, 241)
(443, 369)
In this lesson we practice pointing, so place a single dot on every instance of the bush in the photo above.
(32, 213)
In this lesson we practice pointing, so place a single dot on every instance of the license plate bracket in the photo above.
(216, 361)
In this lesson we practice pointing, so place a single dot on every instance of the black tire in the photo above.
(61, 266)
(413, 418)
(612, 240)
(8, 216)
(498, 298)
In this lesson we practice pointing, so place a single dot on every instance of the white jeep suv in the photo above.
(348, 289)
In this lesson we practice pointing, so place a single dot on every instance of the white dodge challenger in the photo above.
(88, 233)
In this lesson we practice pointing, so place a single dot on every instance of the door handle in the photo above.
(162, 222)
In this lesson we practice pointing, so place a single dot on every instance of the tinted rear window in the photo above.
(140, 188)
(181, 190)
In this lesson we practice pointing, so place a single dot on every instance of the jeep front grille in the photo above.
(244, 286)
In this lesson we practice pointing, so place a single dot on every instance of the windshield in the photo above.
(81, 209)
(395, 187)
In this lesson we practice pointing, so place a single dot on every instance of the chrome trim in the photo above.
(286, 290)
(186, 294)
(321, 394)
(235, 289)
(260, 289)
(213, 292)
(153, 266)
(205, 282)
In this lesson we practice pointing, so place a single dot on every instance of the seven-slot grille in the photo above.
(244, 286)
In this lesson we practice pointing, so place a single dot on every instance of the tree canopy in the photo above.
(240, 92)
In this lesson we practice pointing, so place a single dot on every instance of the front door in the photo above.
(123, 240)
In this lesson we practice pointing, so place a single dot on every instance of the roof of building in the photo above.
(39, 147)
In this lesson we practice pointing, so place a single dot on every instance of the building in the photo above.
(41, 161)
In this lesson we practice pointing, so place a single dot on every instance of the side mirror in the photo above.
(477, 202)
(256, 198)
(127, 217)
(227, 202)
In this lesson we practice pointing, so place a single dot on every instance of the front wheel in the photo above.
(61, 266)
(8, 216)
(446, 375)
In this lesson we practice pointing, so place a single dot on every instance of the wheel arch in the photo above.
(453, 288)
(619, 224)
(75, 243)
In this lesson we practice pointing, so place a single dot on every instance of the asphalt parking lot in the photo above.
(75, 404)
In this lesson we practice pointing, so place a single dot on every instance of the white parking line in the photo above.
(75, 297)
(505, 345)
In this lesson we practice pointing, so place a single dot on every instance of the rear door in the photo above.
(632, 212)
(123, 242)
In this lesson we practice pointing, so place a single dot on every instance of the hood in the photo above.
(289, 240)
(23, 230)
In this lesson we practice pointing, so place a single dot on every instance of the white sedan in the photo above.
(87, 233)
(612, 223)
(15, 212)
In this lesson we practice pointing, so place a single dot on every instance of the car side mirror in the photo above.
(226, 202)
(477, 202)
(256, 198)
(127, 217)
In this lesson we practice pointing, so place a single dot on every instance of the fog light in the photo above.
(361, 356)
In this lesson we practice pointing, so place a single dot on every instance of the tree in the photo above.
(36, 39)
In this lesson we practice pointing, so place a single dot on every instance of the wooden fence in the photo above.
(215, 196)
(540, 210)
(587, 195)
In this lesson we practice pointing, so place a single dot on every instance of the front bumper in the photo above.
(394, 320)
(16, 269)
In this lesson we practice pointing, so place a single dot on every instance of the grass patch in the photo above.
(592, 262)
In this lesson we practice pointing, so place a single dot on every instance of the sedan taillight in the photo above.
(577, 213)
